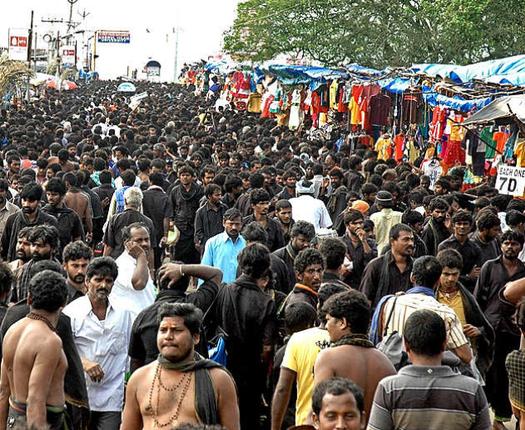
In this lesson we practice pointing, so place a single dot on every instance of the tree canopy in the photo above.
(377, 33)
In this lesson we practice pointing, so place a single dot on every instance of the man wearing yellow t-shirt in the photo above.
(298, 365)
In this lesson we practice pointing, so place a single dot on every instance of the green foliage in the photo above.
(377, 33)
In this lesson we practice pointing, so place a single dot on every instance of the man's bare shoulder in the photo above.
(138, 375)
(220, 375)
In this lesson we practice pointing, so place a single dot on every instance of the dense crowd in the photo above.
(170, 264)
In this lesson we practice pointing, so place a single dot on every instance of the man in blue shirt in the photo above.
(222, 249)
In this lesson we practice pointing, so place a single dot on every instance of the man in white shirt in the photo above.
(134, 287)
(307, 208)
(101, 330)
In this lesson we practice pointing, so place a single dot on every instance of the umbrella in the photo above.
(69, 85)
(126, 87)
(503, 108)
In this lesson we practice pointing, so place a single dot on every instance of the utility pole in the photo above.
(29, 46)
(69, 22)
(175, 62)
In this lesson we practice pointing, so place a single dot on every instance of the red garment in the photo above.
(439, 122)
(399, 144)
(265, 111)
(453, 154)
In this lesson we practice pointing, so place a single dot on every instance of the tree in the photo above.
(377, 33)
(12, 74)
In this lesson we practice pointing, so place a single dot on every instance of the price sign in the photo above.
(511, 180)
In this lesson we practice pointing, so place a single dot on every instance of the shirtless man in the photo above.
(163, 393)
(352, 355)
(34, 363)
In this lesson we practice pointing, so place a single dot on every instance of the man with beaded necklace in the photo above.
(180, 386)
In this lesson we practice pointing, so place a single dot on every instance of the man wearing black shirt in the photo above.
(76, 257)
(30, 216)
(209, 217)
(260, 203)
(185, 199)
(470, 252)
(70, 226)
(436, 231)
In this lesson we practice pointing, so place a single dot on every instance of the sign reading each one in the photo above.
(511, 180)
(105, 36)
(18, 44)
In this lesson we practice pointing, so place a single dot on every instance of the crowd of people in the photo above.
(172, 265)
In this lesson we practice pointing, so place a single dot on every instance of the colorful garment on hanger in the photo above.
(399, 146)
(475, 152)
(333, 94)
(490, 150)
(384, 148)
(412, 107)
(379, 110)
(254, 103)
(438, 123)
(433, 169)
(500, 137)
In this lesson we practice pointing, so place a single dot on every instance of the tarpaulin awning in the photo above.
(502, 108)
(456, 103)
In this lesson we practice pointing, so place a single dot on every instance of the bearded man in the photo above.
(163, 393)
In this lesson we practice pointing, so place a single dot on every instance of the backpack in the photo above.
(392, 345)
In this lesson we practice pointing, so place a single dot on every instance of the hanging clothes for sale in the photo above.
(433, 169)
(333, 94)
(490, 146)
(438, 123)
(399, 147)
(342, 103)
(296, 114)
(412, 106)
(411, 152)
(353, 106)
(379, 110)
(254, 103)
(500, 137)
(384, 147)
(475, 152)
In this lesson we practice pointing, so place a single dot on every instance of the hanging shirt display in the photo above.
(384, 147)
(379, 110)
(433, 169)
(475, 152)
(296, 114)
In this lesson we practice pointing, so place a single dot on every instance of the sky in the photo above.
(201, 24)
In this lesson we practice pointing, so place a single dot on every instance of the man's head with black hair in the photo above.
(47, 291)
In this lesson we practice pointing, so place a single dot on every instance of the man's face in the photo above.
(261, 208)
(279, 180)
(439, 215)
(23, 249)
(284, 215)
(425, 182)
(404, 244)
(185, 178)
(29, 206)
(339, 412)
(439, 190)
(14, 166)
(72, 152)
(312, 276)
(255, 167)
(140, 236)
(449, 277)
(246, 183)
(184, 151)
(492, 233)
(334, 327)
(216, 197)
(40, 250)
(291, 181)
(510, 249)
(99, 287)
(232, 227)
(50, 173)
(336, 181)
(174, 340)
(208, 178)
(462, 228)
(300, 242)
(370, 198)
(355, 225)
(53, 198)
(223, 162)
(152, 131)
(417, 227)
(76, 270)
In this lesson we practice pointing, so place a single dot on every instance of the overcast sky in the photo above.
(150, 22)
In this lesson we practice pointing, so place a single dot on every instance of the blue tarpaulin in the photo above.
(457, 103)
